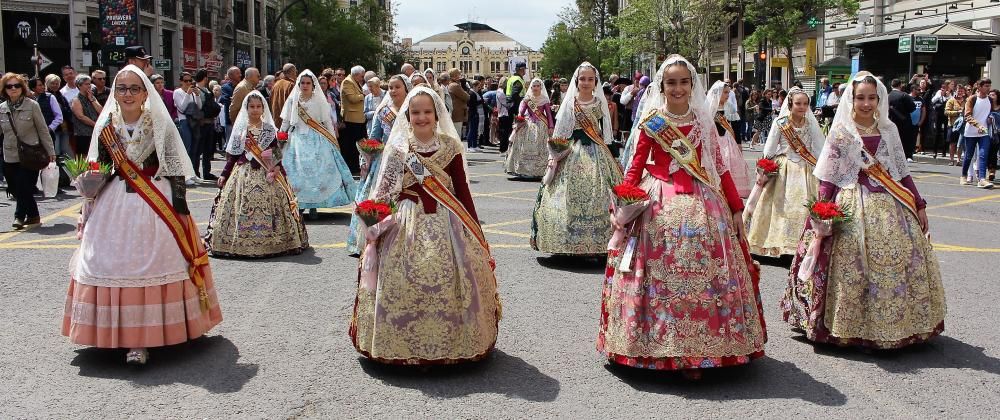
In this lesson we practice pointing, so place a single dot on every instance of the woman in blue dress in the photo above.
(316, 168)
(385, 116)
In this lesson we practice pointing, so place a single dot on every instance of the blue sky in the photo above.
(527, 21)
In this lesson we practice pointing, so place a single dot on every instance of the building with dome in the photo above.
(474, 48)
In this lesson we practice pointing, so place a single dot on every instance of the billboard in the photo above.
(119, 28)
(23, 30)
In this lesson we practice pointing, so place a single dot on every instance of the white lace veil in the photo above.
(542, 98)
(401, 138)
(842, 157)
(566, 118)
(387, 100)
(235, 145)
(714, 96)
(433, 81)
(159, 134)
(815, 140)
(290, 112)
(654, 99)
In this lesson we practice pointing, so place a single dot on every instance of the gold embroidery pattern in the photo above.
(690, 294)
(776, 225)
(571, 212)
(896, 291)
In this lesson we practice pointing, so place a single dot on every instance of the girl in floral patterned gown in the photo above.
(426, 293)
(528, 153)
(254, 215)
(775, 222)
(385, 114)
(876, 282)
(681, 290)
(570, 215)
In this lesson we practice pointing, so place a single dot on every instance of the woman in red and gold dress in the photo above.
(680, 290)
(426, 293)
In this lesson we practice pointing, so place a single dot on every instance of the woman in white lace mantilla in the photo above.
(426, 292)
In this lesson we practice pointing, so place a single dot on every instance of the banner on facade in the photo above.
(810, 66)
(119, 28)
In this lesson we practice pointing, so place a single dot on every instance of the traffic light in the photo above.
(762, 56)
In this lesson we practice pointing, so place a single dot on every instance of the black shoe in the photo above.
(210, 177)
(18, 223)
(32, 222)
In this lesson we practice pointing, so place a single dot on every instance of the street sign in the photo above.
(925, 44)
(904, 44)
(43, 61)
(162, 64)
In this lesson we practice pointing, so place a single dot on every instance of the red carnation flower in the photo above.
(520, 118)
(370, 146)
(828, 210)
(767, 166)
(630, 194)
(95, 166)
(283, 135)
(372, 211)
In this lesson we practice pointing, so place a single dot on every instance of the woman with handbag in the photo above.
(953, 109)
(27, 147)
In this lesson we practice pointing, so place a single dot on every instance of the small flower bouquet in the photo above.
(282, 136)
(375, 215)
(767, 167)
(88, 177)
(372, 211)
(558, 145)
(520, 118)
(628, 203)
(371, 146)
(824, 216)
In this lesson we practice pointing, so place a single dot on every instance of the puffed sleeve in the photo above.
(456, 169)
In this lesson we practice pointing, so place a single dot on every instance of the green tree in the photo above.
(571, 41)
(777, 22)
(325, 36)
(661, 27)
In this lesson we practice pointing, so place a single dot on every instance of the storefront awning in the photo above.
(945, 32)
(834, 63)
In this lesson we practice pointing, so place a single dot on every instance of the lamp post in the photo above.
(270, 30)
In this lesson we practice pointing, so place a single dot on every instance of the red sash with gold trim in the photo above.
(795, 142)
(181, 227)
(389, 117)
(725, 124)
(279, 176)
(315, 125)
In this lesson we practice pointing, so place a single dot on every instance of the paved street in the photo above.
(283, 349)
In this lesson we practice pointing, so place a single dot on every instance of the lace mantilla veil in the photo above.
(236, 146)
(541, 99)
(566, 119)
(401, 140)
(317, 102)
(157, 134)
(387, 100)
(842, 157)
(816, 137)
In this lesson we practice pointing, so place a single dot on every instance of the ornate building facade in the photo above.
(474, 48)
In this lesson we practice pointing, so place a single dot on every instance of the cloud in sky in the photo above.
(527, 21)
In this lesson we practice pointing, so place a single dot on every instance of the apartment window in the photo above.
(206, 15)
(240, 15)
(270, 14)
(256, 17)
(168, 9)
(148, 6)
(187, 12)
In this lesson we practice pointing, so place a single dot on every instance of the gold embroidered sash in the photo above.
(279, 176)
(796, 143)
(428, 176)
(725, 124)
(591, 130)
(895, 188)
(181, 227)
(673, 141)
(315, 125)
(389, 117)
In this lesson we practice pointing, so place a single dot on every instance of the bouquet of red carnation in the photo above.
(282, 136)
(520, 118)
(88, 177)
(372, 211)
(558, 145)
(767, 167)
(629, 194)
(824, 215)
(371, 146)
(628, 203)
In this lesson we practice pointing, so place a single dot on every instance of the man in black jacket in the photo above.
(901, 105)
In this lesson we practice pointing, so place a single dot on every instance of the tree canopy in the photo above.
(570, 42)
(327, 36)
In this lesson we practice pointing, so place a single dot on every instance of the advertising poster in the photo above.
(119, 28)
(23, 30)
